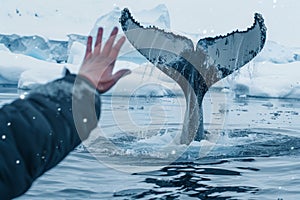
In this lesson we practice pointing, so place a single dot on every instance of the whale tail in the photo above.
(195, 69)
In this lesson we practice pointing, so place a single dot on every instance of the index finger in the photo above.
(88, 50)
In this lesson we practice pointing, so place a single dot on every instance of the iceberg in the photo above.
(268, 79)
(27, 58)
(36, 47)
(31, 56)
(273, 73)
(12, 66)
(158, 16)
(276, 53)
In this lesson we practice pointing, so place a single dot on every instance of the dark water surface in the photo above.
(255, 154)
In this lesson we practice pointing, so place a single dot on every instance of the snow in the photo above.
(158, 16)
(273, 73)
(76, 53)
(276, 53)
(13, 66)
(268, 79)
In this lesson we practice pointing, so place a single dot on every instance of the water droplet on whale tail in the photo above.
(195, 69)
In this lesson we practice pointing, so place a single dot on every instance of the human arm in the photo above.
(37, 132)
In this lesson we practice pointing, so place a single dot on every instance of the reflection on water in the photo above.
(181, 180)
(255, 156)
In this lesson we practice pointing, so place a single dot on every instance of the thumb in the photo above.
(120, 74)
(115, 78)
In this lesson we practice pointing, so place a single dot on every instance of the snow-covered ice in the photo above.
(13, 66)
(273, 73)
(267, 79)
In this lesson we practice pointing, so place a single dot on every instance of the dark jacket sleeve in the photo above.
(37, 132)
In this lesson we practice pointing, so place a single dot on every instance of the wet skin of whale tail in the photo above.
(195, 70)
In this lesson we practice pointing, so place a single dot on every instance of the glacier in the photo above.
(28, 60)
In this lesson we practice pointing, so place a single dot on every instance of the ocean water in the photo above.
(251, 151)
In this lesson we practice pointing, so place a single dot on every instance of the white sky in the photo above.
(194, 16)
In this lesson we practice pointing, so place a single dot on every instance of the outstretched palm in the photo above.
(98, 65)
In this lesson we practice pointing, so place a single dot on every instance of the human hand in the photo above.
(98, 65)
